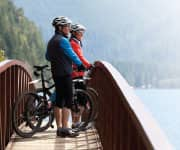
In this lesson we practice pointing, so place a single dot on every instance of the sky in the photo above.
(148, 28)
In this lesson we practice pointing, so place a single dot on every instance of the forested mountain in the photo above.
(19, 37)
(140, 38)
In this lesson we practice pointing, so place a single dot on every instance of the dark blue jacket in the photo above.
(61, 55)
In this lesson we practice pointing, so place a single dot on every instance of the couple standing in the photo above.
(62, 53)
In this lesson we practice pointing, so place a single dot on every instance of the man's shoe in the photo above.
(59, 132)
(66, 132)
(70, 133)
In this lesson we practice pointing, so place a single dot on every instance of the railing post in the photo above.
(13, 88)
(1, 136)
(8, 104)
(3, 110)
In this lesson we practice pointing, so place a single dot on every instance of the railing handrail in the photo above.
(4, 65)
(147, 127)
(152, 134)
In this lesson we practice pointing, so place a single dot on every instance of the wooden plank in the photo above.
(48, 140)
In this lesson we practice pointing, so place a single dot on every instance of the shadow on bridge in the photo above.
(123, 123)
(48, 140)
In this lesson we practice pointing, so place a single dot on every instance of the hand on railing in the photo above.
(91, 67)
(88, 71)
(81, 68)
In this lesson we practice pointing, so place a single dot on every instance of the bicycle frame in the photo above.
(39, 72)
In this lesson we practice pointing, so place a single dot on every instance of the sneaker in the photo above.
(77, 125)
(87, 126)
(66, 132)
(70, 133)
(76, 130)
(59, 132)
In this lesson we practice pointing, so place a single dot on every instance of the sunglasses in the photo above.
(67, 25)
(81, 31)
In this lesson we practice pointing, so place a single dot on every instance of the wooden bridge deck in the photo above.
(87, 140)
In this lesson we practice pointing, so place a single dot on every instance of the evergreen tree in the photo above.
(19, 37)
(2, 56)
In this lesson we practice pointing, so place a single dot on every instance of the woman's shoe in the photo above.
(77, 125)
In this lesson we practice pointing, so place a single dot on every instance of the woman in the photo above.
(77, 32)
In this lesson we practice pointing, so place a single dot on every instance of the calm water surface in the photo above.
(164, 104)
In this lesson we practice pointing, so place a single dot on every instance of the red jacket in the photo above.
(78, 50)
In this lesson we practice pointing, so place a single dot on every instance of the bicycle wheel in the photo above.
(46, 114)
(94, 96)
(85, 103)
(23, 115)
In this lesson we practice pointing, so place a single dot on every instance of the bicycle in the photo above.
(82, 91)
(36, 108)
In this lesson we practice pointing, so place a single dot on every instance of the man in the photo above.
(60, 54)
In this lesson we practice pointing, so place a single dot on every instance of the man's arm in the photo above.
(65, 44)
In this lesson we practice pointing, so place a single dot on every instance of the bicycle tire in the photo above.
(94, 96)
(20, 111)
(50, 117)
(86, 117)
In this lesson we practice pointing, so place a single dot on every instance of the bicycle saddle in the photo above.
(40, 67)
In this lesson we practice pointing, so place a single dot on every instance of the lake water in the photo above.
(164, 104)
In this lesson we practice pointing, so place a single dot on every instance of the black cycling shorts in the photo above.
(64, 93)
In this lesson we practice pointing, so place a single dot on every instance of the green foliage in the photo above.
(18, 36)
(2, 55)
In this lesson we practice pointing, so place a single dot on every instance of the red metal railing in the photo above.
(123, 123)
(14, 79)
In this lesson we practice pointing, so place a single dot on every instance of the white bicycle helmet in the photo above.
(58, 21)
(77, 27)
